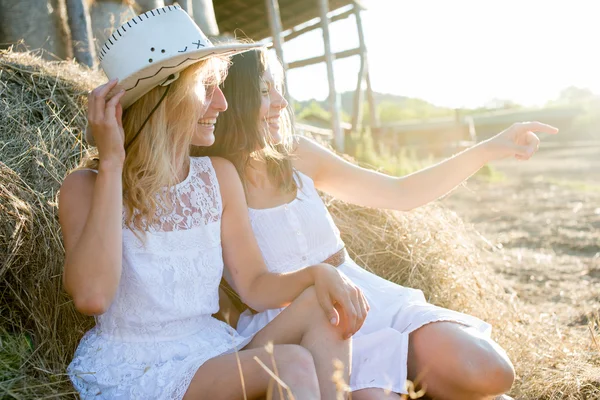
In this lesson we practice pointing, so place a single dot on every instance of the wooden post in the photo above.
(276, 33)
(204, 15)
(375, 128)
(276, 29)
(358, 94)
(357, 109)
(187, 7)
(334, 100)
(37, 24)
(81, 32)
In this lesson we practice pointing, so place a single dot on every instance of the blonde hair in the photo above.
(163, 145)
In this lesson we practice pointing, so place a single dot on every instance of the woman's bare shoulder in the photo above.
(78, 182)
(77, 189)
(228, 178)
(308, 155)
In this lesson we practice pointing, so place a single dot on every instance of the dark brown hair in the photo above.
(239, 136)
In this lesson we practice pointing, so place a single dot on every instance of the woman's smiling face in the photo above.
(272, 103)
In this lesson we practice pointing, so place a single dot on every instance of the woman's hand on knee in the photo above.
(343, 302)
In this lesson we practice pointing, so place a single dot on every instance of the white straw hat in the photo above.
(152, 48)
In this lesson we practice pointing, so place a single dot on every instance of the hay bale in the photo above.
(429, 248)
(41, 118)
(41, 121)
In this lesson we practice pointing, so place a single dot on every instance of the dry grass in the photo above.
(41, 115)
(41, 119)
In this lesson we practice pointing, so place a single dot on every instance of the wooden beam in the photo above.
(371, 100)
(204, 15)
(370, 97)
(276, 30)
(358, 94)
(357, 109)
(187, 6)
(319, 59)
(275, 25)
(334, 100)
(147, 5)
(81, 32)
(294, 34)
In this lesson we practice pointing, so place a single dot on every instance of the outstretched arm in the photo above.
(353, 184)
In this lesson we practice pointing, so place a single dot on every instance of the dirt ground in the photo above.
(543, 217)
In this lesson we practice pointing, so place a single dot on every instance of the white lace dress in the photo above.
(159, 330)
(302, 233)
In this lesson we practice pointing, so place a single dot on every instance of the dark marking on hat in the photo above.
(198, 44)
(182, 51)
(204, 56)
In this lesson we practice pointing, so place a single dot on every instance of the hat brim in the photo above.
(141, 82)
(144, 80)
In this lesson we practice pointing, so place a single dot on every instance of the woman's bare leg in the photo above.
(453, 362)
(457, 362)
(305, 322)
(302, 322)
(219, 378)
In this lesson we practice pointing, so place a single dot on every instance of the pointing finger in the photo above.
(536, 126)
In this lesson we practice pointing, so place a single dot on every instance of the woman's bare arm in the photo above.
(365, 187)
(91, 209)
(258, 287)
(90, 214)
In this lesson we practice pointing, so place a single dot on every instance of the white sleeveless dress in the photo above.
(302, 233)
(159, 330)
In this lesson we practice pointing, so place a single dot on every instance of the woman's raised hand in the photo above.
(519, 140)
(105, 121)
(343, 302)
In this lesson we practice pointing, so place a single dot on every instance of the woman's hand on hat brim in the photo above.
(105, 121)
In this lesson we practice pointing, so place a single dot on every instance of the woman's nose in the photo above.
(279, 101)
(219, 103)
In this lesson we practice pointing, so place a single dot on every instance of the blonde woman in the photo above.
(147, 230)
(449, 353)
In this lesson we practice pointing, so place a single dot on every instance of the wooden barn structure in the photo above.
(284, 20)
(77, 28)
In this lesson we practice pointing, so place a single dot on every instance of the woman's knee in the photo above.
(460, 355)
(490, 372)
(307, 304)
(307, 299)
(296, 366)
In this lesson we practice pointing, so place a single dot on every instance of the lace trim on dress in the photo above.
(194, 202)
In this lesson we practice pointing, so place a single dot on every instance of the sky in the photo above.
(461, 53)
